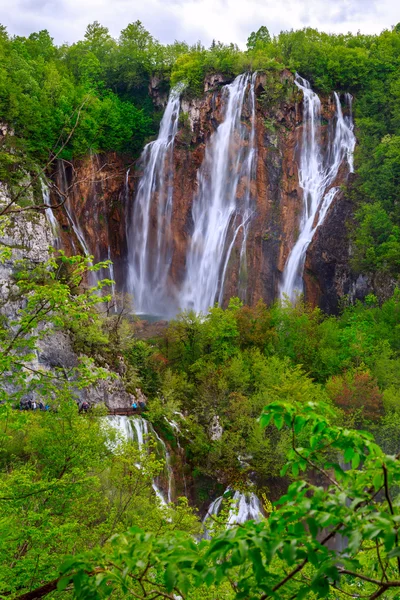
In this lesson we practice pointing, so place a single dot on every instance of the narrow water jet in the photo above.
(55, 228)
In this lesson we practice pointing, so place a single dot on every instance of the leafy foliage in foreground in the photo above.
(288, 555)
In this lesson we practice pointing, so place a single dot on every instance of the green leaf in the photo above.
(348, 454)
(355, 461)
(170, 576)
(63, 583)
(377, 481)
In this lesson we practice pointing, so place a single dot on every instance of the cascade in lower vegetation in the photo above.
(319, 165)
(149, 233)
(140, 431)
(223, 206)
(245, 507)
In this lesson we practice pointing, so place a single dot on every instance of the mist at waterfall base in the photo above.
(318, 170)
(219, 217)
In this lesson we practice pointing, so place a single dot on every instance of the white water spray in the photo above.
(222, 208)
(149, 234)
(139, 430)
(317, 173)
(55, 228)
(245, 507)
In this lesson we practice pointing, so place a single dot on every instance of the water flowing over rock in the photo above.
(320, 161)
(245, 507)
(139, 430)
(226, 202)
(54, 225)
(223, 207)
(149, 233)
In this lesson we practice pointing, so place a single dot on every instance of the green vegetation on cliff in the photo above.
(70, 488)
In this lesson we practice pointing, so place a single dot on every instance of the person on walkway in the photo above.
(134, 405)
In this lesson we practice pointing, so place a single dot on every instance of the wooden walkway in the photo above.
(125, 411)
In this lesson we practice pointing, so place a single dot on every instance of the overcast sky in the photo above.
(192, 20)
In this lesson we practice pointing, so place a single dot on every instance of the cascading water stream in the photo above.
(219, 215)
(245, 507)
(55, 228)
(138, 429)
(150, 247)
(317, 172)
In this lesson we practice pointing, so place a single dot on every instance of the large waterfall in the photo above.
(149, 232)
(318, 170)
(222, 208)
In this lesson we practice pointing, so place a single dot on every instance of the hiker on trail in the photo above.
(34, 405)
(41, 405)
(84, 406)
(134, 405)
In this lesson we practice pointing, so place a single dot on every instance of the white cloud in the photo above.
(225, 20)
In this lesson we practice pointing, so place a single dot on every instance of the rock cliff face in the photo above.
(94, 193)
(99, 198)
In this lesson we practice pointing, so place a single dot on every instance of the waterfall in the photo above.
(174, 425)
(317, 173)
(149, 232)
(222, 208)
(245, 507)
(111, 270)
(139, 430)
(55, 229)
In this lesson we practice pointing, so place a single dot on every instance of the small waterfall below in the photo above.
(223, 207)
(317, 173)
(140, 431)
(245, 507)
(149, 233)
